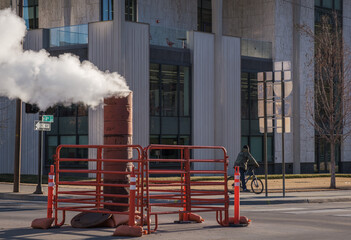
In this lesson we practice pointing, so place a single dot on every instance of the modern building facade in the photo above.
(192, 66)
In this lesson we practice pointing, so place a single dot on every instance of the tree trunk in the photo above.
(332, 166)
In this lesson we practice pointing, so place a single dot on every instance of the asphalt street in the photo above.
(330, 220)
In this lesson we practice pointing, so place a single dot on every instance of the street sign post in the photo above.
(42, 126)
(48, 118)
(274, 89)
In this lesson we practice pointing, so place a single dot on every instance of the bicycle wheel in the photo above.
(257, 186)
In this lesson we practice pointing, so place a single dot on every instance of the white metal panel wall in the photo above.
(100, 52)
(204, 119)
(7, 134)
(100, 45)
(137, 76)
(202, 53)
(35, 40)
(30, 144)
(230, 102)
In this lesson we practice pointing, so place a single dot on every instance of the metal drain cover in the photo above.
(89, 219)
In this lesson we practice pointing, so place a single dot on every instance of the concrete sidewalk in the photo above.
(26, 193)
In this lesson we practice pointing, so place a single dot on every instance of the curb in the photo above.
(325, 200)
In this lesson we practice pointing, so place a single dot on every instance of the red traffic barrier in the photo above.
(237, 221)
(51, 185)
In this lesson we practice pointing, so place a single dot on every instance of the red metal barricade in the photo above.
(183, 194)
(93, 199)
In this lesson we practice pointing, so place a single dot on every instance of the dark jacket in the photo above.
(245, 158)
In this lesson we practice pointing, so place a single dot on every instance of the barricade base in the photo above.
(130, 231)
(191, 218)
(243, 222)
(42, 223)
(195, 217)
(184, 222)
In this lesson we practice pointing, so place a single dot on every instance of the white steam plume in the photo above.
(35, 77)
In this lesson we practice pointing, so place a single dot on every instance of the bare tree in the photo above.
(328, 105)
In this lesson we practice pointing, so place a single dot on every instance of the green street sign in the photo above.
(48, 118)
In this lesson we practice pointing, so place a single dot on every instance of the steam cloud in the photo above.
(35, 77)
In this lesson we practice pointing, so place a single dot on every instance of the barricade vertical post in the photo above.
(57, 178)
(51, 184)
(187, 181)
(183, 188)
(132, 199)
(98, 177)
(236, 196)
(226, 205)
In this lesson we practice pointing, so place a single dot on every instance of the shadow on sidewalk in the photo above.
(65, 232)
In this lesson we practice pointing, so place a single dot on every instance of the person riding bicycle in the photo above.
(244, 159)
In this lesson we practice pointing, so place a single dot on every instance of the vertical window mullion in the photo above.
(109, 9)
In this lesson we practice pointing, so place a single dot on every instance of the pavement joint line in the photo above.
(243, 201)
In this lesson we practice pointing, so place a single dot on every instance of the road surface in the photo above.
(281, 221)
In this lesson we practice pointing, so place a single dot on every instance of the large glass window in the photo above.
(329, 4)
(250, 133)
(70, 126)
(170, 120)
(30, 13)
(107, 10)
(204, 15)
(131, 10)
(327, 7)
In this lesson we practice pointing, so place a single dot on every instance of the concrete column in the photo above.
(303, 72)
(345, 165)
(296, 80)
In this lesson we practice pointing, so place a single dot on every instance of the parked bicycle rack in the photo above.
(182, 195)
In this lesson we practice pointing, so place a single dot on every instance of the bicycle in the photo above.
(256, 183)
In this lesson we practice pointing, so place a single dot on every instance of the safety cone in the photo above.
(237, 220)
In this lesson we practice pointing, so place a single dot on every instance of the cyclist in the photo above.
(243, 159)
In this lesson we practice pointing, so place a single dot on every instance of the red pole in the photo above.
(51, 185)
(236, 196)
(187, 181)
(132, 199)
